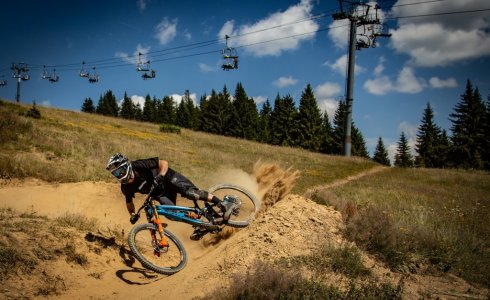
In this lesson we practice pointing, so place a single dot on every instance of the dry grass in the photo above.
(437, 217)
(68, 146)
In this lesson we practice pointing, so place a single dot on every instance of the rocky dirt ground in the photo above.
(70, 263)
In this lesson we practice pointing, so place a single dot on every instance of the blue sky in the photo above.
(282, 47)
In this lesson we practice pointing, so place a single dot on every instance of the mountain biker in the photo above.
(138, 176)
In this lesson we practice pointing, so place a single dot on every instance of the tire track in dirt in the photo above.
(312, 191)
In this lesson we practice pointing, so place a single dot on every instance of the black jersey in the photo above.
(145, 171)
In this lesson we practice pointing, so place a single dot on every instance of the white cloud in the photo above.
(263, 35)
(378, 86)
(142, 4)
(166, 31)
(438, 83)
(285, 81)
(340, 66)
(178, 98)
(206, 68)
(259, 99)
(441, 40)
(46, 103)
(134, 59)
(380, 67)
(406, 82)
(327, 97)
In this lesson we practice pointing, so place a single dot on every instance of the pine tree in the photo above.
(187, 113)
(428, 137)
(403, 158)
(283, 118)
(326, 145)
(245, 116)
(127, 108)
(309, 121)
(107, 105)
(167, 111)
(148, 110)
(381, 154)
(486, 144)
(264, 128)
(468, 129)
(339, 128)
(88, 106)
(359, 148)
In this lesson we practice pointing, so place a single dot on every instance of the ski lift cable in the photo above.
(119, 64)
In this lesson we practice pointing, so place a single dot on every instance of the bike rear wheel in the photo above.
(249, 208)
(142, 245)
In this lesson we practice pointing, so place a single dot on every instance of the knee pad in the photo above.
(194, 194)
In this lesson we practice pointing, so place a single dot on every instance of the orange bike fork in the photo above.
(156, 219)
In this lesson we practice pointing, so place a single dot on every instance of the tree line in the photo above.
(468, 147)
(307, 127)
(237, 115)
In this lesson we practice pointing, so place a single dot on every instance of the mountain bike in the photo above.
(159, 250)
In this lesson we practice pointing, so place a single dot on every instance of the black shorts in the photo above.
(174, 183)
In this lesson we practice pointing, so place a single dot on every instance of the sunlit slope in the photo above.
(70, 146)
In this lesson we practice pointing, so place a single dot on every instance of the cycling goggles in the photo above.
(121, 171)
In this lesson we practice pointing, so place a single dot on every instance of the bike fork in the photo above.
(159, 225)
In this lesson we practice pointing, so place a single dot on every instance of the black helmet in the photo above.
(120, 166)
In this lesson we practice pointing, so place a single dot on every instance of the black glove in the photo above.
(134, 218)
(159, 179)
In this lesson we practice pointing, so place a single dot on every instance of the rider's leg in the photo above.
(187, 189)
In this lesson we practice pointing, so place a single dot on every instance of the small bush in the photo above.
(34, 112)
(168, 128)
(73, 256)
(265, 281)
(374, 230)
(77, 221)
(12, 258)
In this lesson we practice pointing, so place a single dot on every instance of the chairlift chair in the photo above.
(142, 66)
(3, 82)
(230, 57)
(363, 41)
(54, 78)
(94, 77)
(45, 74)
(150, 75)
(83, 72)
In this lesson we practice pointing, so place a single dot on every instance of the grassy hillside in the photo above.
(415, 220)
(420, 218)
(68, 146)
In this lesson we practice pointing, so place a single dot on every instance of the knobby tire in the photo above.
(250, 206)
(168, 263)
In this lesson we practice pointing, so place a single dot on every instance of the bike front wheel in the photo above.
(249, 203)
(164, 261)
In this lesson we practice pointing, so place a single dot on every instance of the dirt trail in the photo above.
(288, 225)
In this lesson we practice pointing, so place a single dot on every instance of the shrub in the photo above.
(168, 128)
(266, 281)
(34, 112)
(374, 230)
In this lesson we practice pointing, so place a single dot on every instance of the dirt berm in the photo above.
(288, 225)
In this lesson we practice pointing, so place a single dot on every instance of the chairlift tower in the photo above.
(357, 18)
(20, 73)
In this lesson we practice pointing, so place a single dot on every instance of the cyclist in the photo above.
(138, 176)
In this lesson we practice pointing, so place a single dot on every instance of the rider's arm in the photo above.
(162, 167)
(130, 207)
